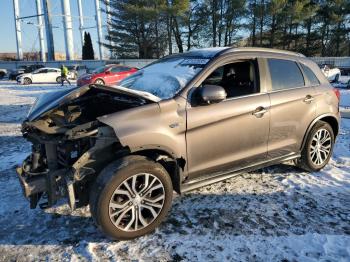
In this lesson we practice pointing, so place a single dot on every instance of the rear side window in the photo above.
(285, 74)
(310, 75)
(116, 69)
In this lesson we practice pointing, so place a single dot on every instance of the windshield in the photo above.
(165, 77)
(99, 70)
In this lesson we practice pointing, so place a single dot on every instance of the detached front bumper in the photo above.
(47, 184)
(31, 185)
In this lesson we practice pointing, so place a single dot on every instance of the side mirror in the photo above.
(210, 94)
(108, 72)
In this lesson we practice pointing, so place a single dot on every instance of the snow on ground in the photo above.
(279, 213)
(345, 97)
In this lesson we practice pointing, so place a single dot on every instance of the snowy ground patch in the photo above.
(279, 213)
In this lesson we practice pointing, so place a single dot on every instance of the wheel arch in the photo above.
(174, 166)
(328, 118)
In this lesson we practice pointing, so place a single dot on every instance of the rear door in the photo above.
(52, 74)
(292, 106)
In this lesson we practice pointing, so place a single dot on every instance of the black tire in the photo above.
(59, 80)
(99, 81)
(2, 75)
(306, 162)
(111, 178)
(27, 81)
(336, 79)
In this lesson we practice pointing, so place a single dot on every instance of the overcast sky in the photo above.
(29, 32)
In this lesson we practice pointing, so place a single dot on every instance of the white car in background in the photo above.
(42, 75)
(332, 73)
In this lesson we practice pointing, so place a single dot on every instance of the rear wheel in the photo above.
(318, 147)
(59, 80)
(27, 81)
(131, 197)
(99, 82)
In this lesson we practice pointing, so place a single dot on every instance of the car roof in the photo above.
(216, 51)
(263, 50)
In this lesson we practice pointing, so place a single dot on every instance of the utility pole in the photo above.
(48, 27)
(81, 22)
(109, 20)
(18, 30)
(40, 30)
(99, 27)
(68, 30)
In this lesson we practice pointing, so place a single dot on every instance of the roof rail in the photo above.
(262, 49)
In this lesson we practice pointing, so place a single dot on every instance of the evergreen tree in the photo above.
(88, 50)
(154, 28)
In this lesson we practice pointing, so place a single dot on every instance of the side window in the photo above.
(285, 74)
(116, 69)
(310, 75)
(238, 79)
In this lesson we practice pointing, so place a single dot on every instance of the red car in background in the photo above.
(106, 75)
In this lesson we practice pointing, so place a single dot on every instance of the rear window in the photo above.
(285, 74)
(310, 75)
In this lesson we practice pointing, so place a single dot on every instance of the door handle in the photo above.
(308, 99)
(259, 111)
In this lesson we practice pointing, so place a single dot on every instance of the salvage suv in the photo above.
(182, 122)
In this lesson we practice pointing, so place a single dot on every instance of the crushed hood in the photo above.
(53, 100)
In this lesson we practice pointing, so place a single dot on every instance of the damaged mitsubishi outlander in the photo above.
(182, 122)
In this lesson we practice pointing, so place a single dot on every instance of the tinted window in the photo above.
(238, 79)
(120, 69)
(285, 74)
(41, 71)
(116, 69)
(310, 75)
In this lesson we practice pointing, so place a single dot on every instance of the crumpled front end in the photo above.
(69, 145)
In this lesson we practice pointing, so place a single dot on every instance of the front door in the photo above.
(233, 133)
(40, 76)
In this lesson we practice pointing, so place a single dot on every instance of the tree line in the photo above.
(154, 28)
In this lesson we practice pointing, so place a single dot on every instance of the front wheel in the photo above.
(27, 81)
(131, 197)
(318, 147)
(59, 80)
(99, 82)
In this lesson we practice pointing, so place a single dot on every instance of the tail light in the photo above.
(337, 93)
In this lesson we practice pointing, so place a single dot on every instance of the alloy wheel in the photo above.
(321, 145)
(99, 82)
(137, 202)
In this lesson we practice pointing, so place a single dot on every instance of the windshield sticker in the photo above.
(195, 61)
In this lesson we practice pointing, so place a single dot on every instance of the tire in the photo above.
(27, 81)
(109, 191)
(99, 81)
(310, 160)
(59, 80)
(336, 79)
(2, 75)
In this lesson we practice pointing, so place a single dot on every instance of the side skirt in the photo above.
(214, 178)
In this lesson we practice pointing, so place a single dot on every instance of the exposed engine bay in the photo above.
(67, 138)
